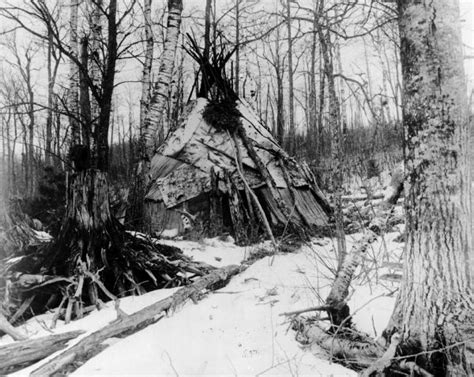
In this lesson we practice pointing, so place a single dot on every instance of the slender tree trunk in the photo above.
(49, 116)
(31, 129)
(151, 130)
(10, 161)
(291, 94)
(342, 94)
(203, 91)
(84, 98)
(95, 64)
(435, 308)
(147, 65)
(237, 47)
(313, 126)
(280, 121)
(336, 142)
(73, 97)
(322, 87)
(108, 83)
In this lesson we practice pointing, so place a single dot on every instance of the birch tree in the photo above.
(151, 131)
(151, 126)
(147, 65)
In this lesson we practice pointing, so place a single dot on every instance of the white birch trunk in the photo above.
(147, 65)
(151, 125)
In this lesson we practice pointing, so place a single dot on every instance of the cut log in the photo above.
(18, 354)
(136, 321)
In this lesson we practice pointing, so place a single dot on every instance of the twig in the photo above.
(315, 308)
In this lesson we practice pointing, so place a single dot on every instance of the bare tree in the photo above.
(73, 96)
(291, 94)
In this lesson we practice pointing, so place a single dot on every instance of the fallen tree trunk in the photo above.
(7, 328)
(336, 301)
(138, 320)
(28, 351)
(353, 350)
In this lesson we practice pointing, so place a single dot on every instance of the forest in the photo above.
(236, 187)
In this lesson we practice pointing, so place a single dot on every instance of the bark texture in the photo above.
(151, 125)
(436, 293)
(147, 65)
(74, 75)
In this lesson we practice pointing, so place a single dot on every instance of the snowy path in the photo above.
(236, 330)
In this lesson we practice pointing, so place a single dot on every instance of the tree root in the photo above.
(348, 347)
(356, 350)
(116, 264)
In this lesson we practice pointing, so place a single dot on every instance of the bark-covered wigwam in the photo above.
(223, 169)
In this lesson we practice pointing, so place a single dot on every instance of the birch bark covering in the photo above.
(74, 75)
(436, 293)
(151, 125)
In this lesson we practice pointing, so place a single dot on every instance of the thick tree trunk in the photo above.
(84, 97)
(436, 293)
(108, 85)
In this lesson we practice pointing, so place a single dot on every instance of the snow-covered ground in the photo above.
(238, 330)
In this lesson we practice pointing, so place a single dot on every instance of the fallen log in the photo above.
(7, 328)
(336, 301)
(19, 353)
(136, 321)
(352, 350)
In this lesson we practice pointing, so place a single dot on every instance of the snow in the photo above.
(238, 330)
(42, 236)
